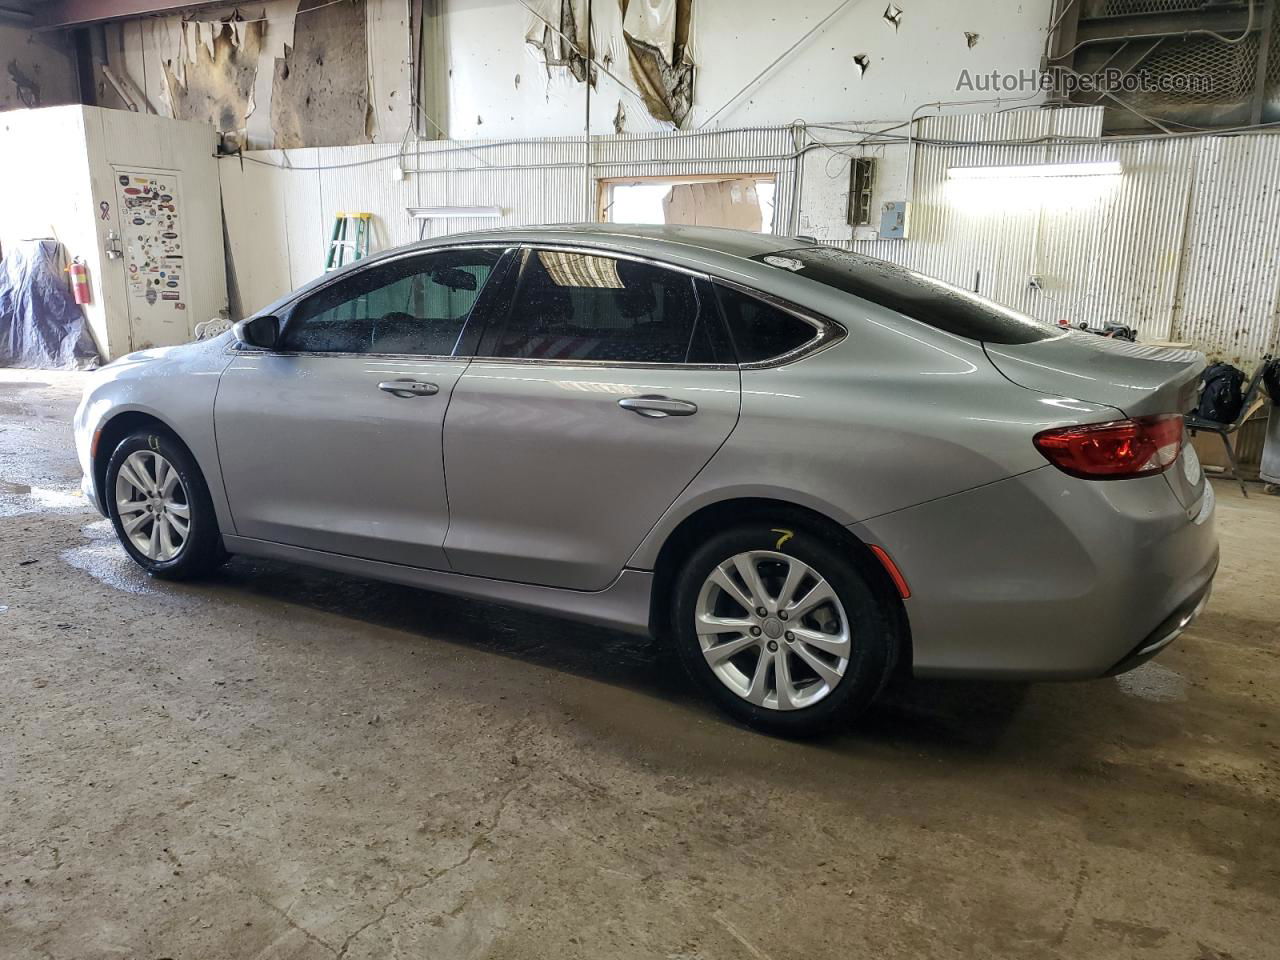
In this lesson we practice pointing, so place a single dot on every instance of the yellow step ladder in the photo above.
(343, 241)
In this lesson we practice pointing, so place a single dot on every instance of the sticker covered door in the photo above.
(150, 210)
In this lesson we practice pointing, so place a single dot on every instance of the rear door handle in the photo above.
(408, 388)
(653, 405)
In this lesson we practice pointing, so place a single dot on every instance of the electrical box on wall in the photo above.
(895, 220)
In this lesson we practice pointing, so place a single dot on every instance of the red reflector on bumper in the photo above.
(891, 568)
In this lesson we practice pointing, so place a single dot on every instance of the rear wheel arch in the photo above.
(787, 518)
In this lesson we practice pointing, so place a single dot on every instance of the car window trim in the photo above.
(286, 312)
(526, 248)
(829, 331)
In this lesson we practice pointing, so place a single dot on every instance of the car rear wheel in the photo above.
(160, 507)
(782, 628)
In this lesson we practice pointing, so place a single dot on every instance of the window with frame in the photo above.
(744, 202)
(761, 331)
(586, 307)
(414, 306)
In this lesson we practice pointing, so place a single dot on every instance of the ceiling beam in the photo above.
(75, 13)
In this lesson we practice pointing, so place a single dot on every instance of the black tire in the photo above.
(202, 550)
(867, 607)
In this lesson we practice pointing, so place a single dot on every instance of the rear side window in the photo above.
(761, 331)
(922, 298)
(580, 306)
(415, 306)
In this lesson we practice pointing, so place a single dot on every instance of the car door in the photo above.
(332, 441)
(591, 404)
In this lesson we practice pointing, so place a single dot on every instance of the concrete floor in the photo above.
(284, 763)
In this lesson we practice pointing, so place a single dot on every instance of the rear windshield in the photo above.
(922, 298)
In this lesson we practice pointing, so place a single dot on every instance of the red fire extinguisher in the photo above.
(79, 280)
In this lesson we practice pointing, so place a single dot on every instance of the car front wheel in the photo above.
(782, 628)
(160, 507)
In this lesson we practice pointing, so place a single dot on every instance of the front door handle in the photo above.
(408, 388)
(652, 405)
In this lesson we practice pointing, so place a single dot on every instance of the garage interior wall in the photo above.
(59, 191)
(506, 75)
(274, 74)
(1182, 245)
(123, 140)
(280, 205)
(45, 193)
(36, 69)
(501, 86)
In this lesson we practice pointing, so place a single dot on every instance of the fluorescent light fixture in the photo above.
(439, 213)
(1108, 168)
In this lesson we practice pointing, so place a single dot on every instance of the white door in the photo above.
(149, 206)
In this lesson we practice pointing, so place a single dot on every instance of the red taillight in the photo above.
(1121, 449)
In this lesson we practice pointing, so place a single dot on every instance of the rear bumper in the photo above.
(1046, 577)
(1170, 629)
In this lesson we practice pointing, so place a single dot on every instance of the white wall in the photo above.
(136, 140)
(280, 204)
(919, 61)
(499, 87)
(55, 171)
(1182, 245)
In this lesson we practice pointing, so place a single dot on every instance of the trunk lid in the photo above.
(1133, 377)
(1138, 380)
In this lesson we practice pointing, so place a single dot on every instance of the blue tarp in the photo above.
(41, 325)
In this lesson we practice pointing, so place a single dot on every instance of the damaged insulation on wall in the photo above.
(560, 35)
(655, 34)
(280, 73)
(321, 92)
(212, 76)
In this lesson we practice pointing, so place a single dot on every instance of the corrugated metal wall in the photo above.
(280, 203)
(1183, 245)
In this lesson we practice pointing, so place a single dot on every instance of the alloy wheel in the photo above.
(151, 500)
(773, 630)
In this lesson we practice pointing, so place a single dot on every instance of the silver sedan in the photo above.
(805, 468)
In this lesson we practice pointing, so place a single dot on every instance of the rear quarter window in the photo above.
(926, 299)
(760, 331)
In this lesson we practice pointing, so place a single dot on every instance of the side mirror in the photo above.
(262, 332)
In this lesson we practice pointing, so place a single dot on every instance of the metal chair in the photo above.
(1254, 398)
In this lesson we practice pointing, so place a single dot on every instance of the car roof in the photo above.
(631, 237)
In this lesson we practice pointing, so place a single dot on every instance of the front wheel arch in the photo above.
(112, 433)
(702, 523)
